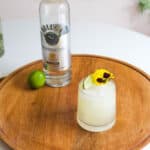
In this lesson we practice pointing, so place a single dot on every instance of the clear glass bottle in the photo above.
(55, 41)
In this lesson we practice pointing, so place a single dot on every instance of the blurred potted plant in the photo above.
(144, 5)
(1, 40)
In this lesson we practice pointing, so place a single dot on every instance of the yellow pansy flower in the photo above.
(101, 76)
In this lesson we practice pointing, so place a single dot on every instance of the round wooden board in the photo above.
(45, 119)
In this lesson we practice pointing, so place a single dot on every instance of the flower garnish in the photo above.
(101, 76)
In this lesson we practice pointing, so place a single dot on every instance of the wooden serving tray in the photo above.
(45, 119)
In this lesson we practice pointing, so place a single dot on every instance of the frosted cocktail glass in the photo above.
(96, 109)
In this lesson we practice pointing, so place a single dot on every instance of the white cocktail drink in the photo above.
(97, 106)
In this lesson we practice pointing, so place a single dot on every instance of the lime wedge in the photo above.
(87, 82)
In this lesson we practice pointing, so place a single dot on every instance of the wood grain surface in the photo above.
(45, 119)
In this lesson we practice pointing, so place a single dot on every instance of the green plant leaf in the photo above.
(144, 4)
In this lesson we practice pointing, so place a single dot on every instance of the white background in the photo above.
(124, 13)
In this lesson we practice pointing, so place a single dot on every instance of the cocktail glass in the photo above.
(96, 109)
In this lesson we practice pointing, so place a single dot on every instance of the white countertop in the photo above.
(22, 45)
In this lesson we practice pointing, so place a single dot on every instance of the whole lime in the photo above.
(36, 79)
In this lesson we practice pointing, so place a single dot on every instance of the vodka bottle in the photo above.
(55, 41)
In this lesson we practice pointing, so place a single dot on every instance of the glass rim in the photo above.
(80, 89)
